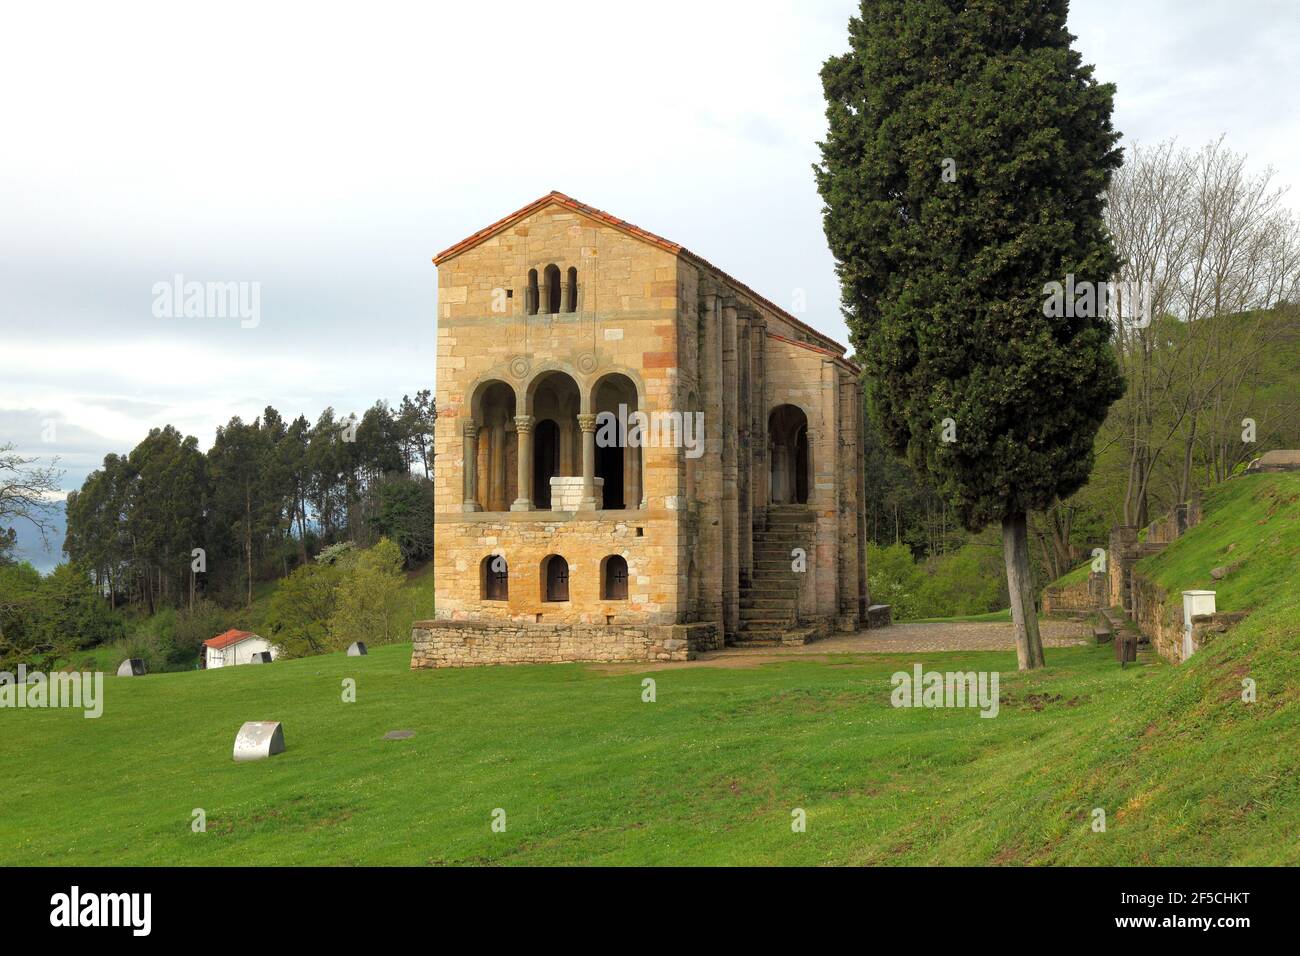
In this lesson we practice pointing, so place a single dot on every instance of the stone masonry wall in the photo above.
(1159, 618)
(645, 540)
(468, 644)
(1088, 595)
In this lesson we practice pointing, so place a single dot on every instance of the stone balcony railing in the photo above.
(566, 493)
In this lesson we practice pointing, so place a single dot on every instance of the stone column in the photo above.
(588, 425)
(631, 477)
(469, 431)
(708, 470)
(524, 429)
(543, 294)
(497, 494)
(564, 292)
(745, 466)
(730, 557)
(759, 439)
(824, 490)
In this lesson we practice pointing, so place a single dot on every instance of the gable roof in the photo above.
(568, 202)
(230, 637)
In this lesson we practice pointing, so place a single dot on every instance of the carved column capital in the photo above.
(524, 424)
(587, 423)
(469, 428)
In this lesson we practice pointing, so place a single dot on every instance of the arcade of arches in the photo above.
(513, 458)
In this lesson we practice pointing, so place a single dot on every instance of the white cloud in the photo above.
(327, 153)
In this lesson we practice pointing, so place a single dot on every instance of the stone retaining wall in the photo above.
(1091, 594)
(1159, 617)
(471, 643)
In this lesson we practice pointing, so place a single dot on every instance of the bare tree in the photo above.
(1215, 248)
(28, 491)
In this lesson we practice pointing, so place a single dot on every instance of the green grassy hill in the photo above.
(1186, 772)
(1251, 525)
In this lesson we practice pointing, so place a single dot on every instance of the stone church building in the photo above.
(638, 456)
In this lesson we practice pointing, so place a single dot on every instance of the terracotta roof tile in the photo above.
(231, 636)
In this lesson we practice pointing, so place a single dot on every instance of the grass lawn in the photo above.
(588, 773)
(1074, 576)
(1185, 770)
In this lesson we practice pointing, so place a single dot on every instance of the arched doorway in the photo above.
(557, 443)
(787, 429)
(546, 460)
(617, 462)
(497, 446)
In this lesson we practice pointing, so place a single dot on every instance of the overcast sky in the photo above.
(327, 154)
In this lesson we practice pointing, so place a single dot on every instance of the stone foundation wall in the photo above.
(474, 643)
(1088, 595)
(1159, 617)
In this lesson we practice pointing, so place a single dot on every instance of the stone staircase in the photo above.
(1112, 622)
(769, 600)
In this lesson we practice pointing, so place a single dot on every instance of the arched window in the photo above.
(571, 289)
(555, 578)
(552, 282)
(494, 578)
(613, 578)
(531, 295)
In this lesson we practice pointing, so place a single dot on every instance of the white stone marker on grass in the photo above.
(259, 739)
(357, 649)
(131, 667)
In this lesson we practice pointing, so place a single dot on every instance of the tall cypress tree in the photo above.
(964, 169)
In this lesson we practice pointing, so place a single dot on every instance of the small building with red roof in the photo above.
(235, 647)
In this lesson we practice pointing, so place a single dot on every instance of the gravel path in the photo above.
(967, 636)
(895, 639)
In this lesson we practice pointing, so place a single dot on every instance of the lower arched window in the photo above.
(555, 578)
(494, 578)
(613, 578)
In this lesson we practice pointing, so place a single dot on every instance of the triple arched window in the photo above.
(551, 291)
(494, 578)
